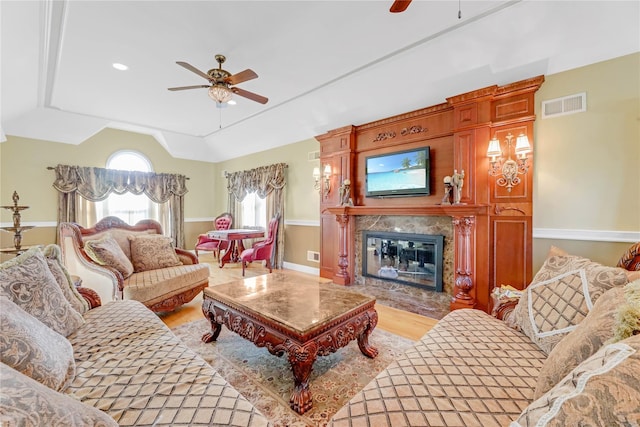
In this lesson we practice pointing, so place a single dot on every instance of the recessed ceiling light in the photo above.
(119, 66)
(231, 102)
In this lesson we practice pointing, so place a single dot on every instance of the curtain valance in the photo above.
(261, 180)
(95, 184)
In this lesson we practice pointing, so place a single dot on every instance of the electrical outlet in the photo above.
(313, 256)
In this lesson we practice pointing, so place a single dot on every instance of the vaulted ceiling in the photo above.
(322, 64)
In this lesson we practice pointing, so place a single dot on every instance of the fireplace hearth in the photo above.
(407, 258)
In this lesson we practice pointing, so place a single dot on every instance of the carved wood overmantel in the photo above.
(492, 227)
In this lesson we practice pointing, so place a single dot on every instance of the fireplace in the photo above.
(407, 258)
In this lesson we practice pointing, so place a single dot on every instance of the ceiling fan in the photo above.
(223, 83)
(399, 6)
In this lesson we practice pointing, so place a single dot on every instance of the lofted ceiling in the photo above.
(322, 64)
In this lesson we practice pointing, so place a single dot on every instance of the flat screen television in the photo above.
(402, 173)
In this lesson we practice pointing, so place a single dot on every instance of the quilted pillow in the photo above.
(25, 402)
(602, 391)
(153, 251)
(33, 348)
(587, 338)
(107, 251)
(560, 296)
(53, 256)
(28, 282)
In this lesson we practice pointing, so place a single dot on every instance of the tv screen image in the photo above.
(403, 173)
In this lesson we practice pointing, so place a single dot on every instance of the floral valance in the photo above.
(95, 184)
(261, 180)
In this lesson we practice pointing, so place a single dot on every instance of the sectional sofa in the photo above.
(568, 354)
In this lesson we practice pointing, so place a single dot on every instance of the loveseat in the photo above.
(66, 363)
(136, 262)
(567, 355)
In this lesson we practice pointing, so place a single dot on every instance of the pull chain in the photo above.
(459, 10)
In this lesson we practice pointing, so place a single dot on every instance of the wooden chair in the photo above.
(263, 250)
(204, 243)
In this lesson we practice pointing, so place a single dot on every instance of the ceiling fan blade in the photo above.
(250, 95)
(242, 76)
(399, 6)
(194, 69)
(188, 87)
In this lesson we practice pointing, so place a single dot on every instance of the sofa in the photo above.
(66, 362)
(136, 262)
(566, 354)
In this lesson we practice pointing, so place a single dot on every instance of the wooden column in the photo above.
(342, 276)
(464, 236)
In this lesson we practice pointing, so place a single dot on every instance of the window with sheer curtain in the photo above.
(253, 211)
(129, 207)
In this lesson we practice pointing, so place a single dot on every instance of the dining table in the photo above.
(235, 245)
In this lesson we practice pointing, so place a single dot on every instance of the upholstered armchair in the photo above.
(204, 243)
(263, 250)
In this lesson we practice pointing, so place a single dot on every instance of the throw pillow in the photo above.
(28, 282)
(560, 296)
(53, 255)
(107, 251)
(587, 338)
(153, 251)
(628, 315)
(34, 349)
(119, 235)
(601, 391)
(25, 402)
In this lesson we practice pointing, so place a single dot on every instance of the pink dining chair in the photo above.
(204, 243)
(263, 250)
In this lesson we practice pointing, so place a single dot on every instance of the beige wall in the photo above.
(586, 164)
(23, 168)
(302, 202)
(586, 170)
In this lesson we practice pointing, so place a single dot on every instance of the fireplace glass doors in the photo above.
(412, 259)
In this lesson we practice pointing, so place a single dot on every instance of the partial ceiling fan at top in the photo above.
(402, 5)
(221, 89)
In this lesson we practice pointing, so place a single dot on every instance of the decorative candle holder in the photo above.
(17, 229)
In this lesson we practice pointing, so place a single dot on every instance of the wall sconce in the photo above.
(327, 183)
(508, 171)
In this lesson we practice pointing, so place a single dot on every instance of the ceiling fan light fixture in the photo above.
(220, 93)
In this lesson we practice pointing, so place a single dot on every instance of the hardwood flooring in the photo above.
(406, 324)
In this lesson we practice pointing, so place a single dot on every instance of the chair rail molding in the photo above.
(589, 235)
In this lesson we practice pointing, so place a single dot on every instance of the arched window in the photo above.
(129, 207)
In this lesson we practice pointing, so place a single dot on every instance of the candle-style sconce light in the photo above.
(326, 175)
(507, 171)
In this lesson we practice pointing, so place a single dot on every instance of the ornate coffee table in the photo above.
(299, 316)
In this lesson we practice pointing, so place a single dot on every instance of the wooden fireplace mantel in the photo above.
(492, 227)
(434, 210)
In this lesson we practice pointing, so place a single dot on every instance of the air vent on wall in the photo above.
(566, 105)
(313, 155)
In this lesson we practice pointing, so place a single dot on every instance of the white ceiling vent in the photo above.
(313, 155)
(566, 105)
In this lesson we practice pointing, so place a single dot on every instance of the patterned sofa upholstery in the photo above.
(160, 289)
(68, 361)
(568, 354)
(470, 369)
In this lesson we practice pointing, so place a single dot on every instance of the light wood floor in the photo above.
(409, 325)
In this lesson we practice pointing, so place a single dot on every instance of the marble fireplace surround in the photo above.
(406, 224)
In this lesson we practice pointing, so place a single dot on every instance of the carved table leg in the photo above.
(363, 339)
(301, 360)
(216, 327)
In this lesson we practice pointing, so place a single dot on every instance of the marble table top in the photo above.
(299, 303)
